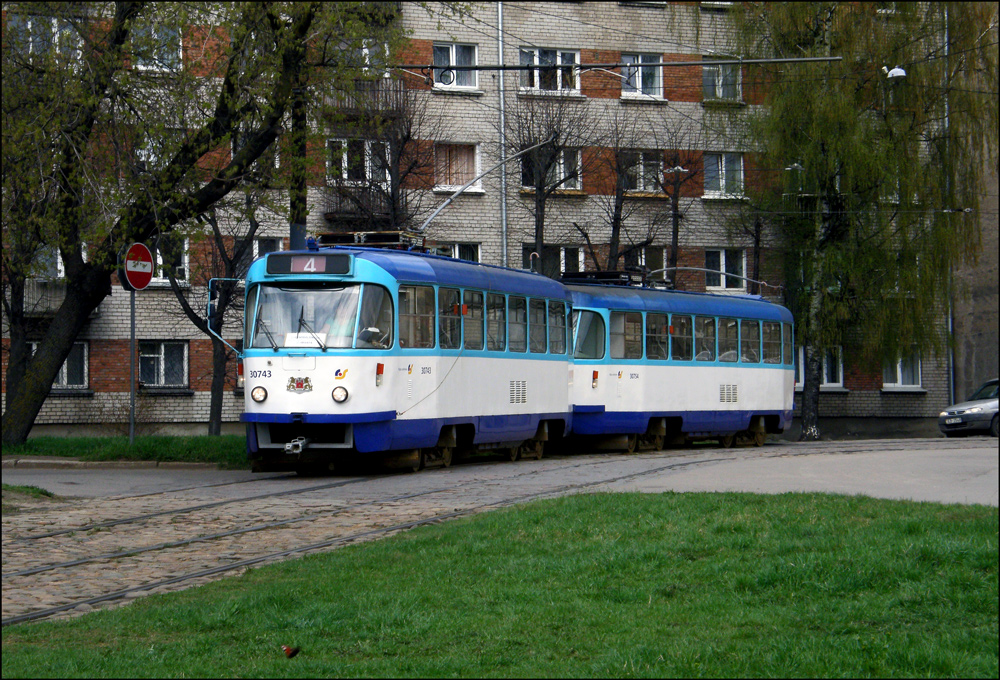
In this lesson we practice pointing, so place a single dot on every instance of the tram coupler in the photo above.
(297, 445)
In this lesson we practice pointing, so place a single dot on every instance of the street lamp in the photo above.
(897, 72)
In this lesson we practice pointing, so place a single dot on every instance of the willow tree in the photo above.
(883, 171)
(115, 130)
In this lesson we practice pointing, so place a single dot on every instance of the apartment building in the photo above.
(647, 139)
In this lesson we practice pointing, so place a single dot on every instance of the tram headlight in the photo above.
(258, 394)
(340, 394)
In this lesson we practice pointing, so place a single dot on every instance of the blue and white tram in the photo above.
(661, 364)
(352, 351)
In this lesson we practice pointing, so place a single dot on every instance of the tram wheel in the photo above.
(656, 441)
(727, 441)
(513, 453)
(759, 437)
(630, 443)
(420, 461)
(532, 449)
(445, 455)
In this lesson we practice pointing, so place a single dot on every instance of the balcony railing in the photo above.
(384, 95)
(356, 204)
(43, 297)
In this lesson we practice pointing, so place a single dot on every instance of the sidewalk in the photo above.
(60, 462)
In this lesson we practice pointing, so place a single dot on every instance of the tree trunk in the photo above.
(26, 395)
(219, 361)
(675, 231)
(810, 394)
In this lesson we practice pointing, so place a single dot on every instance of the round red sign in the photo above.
(138, 266)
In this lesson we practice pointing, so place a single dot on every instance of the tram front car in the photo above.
(318, 332)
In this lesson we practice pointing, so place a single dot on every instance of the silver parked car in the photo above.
(978, 414)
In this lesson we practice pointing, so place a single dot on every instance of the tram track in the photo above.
(173, 580)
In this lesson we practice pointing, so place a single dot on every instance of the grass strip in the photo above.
(598, 585)
(228, 451)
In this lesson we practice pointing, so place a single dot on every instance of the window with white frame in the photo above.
(454, 54)
(553, 260)
(720, 81)
(38, 37)
(268, 159)
(727, 265)
(459, 251)
(640, 77)
(170, 253)
(261, 246)
(723, 174)
(74, 373)
(901, 374)
(357, 160)
(555, 70)
(643, 170)
(455, 165)
(831, 371)
(565, 171)
(652, 258)
(48, 262)
(163, 363)
(156, 47)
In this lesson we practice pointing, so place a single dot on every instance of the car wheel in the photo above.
(993, 426)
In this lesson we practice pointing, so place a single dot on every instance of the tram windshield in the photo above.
(329, 317)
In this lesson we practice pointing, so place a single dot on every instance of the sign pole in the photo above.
(131, 376)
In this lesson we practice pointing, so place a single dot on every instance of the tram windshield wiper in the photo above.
(305, 324)
(270, 338)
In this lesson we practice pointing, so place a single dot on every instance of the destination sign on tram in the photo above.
(294, 263)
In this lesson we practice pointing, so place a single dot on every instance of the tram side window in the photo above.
(589, 331)
(657, 340)
(375, 329)
(557, 327)
(416, 317)
(729, 340)
(536, 327)
(518, 315)
(704, 338)
(681, 345)
(772, 342)
(450, 318)
(750, 341)
(251, 311)
(626, 335)
(496, 322)
(472, 319)
(787, 344)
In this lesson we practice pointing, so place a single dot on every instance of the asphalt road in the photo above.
(940, 470)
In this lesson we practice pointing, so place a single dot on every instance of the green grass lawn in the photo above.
(597, 585)
(229, 451)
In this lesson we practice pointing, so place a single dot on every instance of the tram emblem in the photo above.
(299, 385)
(340, 374)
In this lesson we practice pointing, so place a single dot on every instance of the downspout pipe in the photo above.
(503, 142)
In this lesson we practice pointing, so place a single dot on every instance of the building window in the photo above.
(163, 364)
(268, 159)
(357, 160)
(720, 81)
(641, 78)
(73, 374)
(455, 165)
(564, 172)
(458, 251)
(723, 174)
(728, 261)
(831, 371)
(903, 373)
(38, 37)
(643, 170)
(554, 260)
(453, 54)
(171, 255)
(261, 246)
(556, 70)
(156, 47)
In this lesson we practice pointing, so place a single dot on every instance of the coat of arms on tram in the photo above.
(299, 385)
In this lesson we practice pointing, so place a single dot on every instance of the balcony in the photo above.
(43, 298)
(353, 205)
(361, 96)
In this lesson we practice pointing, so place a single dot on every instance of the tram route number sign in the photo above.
(137, 271)
(336, 263)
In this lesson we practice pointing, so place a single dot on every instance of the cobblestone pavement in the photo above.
(247, 520)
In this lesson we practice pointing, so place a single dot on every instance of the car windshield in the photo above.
(987, 391)
(321, 317)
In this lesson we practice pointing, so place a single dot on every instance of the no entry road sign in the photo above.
(138, 268)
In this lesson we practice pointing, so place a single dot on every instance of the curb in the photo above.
(69, 464)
